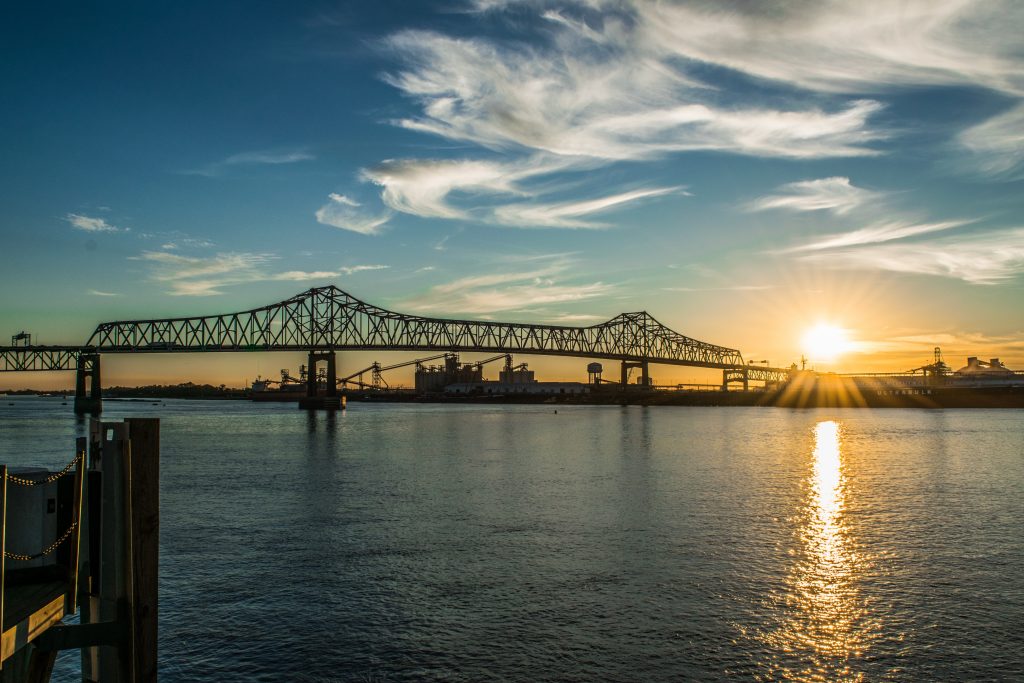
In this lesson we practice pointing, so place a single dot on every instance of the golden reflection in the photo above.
(826, 621)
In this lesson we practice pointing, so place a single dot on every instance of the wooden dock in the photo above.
(100, 517)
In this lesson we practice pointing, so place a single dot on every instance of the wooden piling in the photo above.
(144, 435)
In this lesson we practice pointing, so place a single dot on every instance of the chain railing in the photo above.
(51, 478)
(22, 481)
(45, 551)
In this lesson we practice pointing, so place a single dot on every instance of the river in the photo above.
(400, 542)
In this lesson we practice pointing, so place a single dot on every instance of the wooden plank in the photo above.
(49, 599)
(74, 556)
(45, 617)
(144, 435)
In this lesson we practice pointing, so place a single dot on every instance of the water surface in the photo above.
(433, 542)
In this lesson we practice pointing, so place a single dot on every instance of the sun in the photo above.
(825, 342)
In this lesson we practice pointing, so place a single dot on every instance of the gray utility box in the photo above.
(31, 517)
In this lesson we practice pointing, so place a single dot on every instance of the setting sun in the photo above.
(825, 342)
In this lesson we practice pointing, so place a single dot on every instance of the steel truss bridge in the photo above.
(326, 319)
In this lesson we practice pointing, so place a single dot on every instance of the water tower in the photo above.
(594, 373)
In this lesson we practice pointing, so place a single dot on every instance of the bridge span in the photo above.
(323, 320)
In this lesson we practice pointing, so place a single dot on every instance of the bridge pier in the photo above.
(330, 400)
(645, 377)
(735, 375)
(91, 401)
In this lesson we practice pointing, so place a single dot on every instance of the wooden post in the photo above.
(145, 543)
(114, 591)
(124, 584)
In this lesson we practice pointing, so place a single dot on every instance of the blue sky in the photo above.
(740, 171)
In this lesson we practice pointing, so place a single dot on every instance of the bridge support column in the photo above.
(645, 377)
(735, 375)
(88, 401)
(330, 400)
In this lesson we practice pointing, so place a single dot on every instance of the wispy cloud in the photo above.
(604, 81)
(96, 292)
(421, 187)
(351, 270)
(203, 276)
(958, 339)
(834, 194)
(569, 214)
(302, 275)
(846, 47)
(181, 241)
(346, 213)
(997, 145)
(622, 101)
(586, 95)
(256, 158)
(178, 267)
(574, 318)
(548, 283)
(873, 234)
(90, 224)
(209, 275)
(979, 258)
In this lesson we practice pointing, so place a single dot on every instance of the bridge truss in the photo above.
(329, 319)
(39, 358)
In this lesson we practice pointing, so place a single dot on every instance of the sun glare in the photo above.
(825, 342)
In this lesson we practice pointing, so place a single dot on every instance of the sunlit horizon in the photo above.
(555, 163)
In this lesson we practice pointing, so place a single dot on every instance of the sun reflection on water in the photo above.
(826, 622)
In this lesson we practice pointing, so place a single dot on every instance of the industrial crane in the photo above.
(376, 368)
(508, 361)
(937, 368)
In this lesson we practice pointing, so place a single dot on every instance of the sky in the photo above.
(742, 171)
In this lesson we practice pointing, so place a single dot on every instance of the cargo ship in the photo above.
(287, 388)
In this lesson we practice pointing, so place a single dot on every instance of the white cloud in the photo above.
(208, 275)
(302, 275)
(89, 224)
(863, 46)
(175, 267)
(96, 292)
(264, 157)
(616, 103)
(507, 291)
(347, 214)
(423, 187)
(873, 234)
(268, 158)
(351, 270)
(981, 258)
(568, 214)
(997, 144)
(574, 318)
(835, 194)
